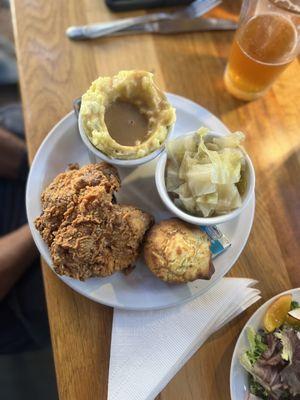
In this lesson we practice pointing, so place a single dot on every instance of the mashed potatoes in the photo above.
(138, 89)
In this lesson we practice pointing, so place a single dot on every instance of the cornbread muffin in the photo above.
(178, 252)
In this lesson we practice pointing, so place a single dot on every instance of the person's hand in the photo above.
(12, 154)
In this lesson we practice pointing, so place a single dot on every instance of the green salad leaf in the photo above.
(257, 347)
(257, 389)
(287, 349)
(294, 305)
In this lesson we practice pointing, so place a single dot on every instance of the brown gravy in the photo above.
(125, 124)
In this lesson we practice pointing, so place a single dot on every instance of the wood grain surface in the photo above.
(54, 71)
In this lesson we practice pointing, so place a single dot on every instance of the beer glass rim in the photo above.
(283, 5)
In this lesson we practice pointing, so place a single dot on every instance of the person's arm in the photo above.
(12, 154)
(17, 252)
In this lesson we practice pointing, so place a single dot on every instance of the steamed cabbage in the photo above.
(177, 150)
(199, 179)
(206, 175)
(172, 178)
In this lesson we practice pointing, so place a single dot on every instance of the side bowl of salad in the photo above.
(266, 359)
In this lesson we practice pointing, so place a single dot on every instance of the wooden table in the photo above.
(54, 71)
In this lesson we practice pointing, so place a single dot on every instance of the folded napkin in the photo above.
(149, 347)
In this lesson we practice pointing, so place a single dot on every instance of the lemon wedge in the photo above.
(277, 312)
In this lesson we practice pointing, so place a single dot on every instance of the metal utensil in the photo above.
(196, 9)
(180, 26)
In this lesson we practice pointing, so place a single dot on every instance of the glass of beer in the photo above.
(266, 42)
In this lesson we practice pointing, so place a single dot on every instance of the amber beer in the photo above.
(262, 49)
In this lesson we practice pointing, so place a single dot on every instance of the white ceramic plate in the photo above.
(239, 388)
(139, 290)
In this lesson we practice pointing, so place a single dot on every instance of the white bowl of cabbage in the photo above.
(205, 177)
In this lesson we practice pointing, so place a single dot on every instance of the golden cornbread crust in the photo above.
(178, 252)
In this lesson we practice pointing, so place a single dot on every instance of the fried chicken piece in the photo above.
(102, 239)
(87, 233)
(178, 252)
(61, 197)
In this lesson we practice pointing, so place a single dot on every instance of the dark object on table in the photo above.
(124, 5)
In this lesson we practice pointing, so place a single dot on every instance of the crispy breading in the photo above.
(60, 198)
(99, 244)
(178, 252)
(87, 233)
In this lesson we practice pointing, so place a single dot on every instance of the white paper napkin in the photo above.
(149, 347)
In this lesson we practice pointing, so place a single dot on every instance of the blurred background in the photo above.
(26, 362)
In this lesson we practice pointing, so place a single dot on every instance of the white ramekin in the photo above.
(115, 161)
(220, 219)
